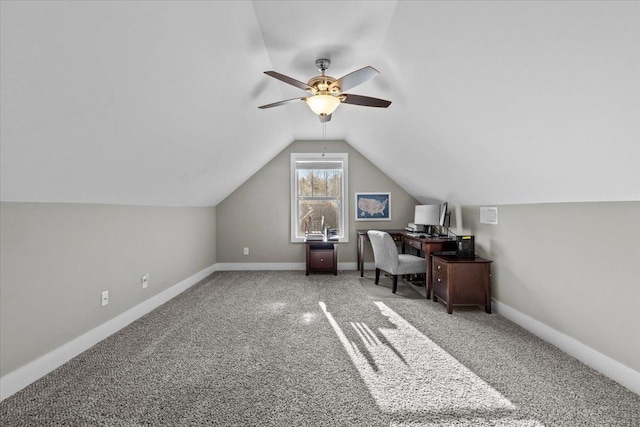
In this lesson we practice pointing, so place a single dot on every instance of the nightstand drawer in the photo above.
(321, 259)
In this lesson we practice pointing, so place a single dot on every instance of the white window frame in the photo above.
(318, 157)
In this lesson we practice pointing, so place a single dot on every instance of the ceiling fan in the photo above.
(327, 93)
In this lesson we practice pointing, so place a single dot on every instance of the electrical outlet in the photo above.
(105, 298)
(144, 280)
(246, 251)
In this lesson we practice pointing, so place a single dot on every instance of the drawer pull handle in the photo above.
(321, 259)
(439, 267)
(439, 280)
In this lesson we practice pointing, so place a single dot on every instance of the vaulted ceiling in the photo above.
(155, 103)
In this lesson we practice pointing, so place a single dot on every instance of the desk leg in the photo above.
(359, 243)
(487, 288)
(427, 257)
(361, 255)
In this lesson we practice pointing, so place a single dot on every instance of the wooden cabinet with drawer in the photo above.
(322, 256)
(462, 281)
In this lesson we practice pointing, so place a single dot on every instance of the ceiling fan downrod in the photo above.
(323, 64)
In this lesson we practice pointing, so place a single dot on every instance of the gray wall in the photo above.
(257, 214)
(572, 266)
(56, 259)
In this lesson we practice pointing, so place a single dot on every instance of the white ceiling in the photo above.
(155, 103)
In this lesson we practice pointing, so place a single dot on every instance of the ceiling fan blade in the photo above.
(355, 78)
(365, 101)
(276, 104)
(289, 80)
(325, 119)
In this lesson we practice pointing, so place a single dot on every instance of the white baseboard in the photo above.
(369, 266)
(256, 266)
(347, 266)
(32, 371)
(613, 369)
(275, 266)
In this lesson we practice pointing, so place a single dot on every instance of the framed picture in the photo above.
(373, 206)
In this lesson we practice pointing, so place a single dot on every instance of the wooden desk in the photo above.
(425, 245)
(462, 281)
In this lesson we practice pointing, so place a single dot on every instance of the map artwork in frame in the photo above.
(373, 206)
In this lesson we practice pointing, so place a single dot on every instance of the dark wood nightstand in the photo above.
(322, 256)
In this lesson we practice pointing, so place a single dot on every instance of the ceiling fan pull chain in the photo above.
(324, 136)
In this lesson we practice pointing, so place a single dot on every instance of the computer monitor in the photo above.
(443, 214)
(430, 216)
(427, 215)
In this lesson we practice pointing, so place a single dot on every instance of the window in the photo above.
(318, 189)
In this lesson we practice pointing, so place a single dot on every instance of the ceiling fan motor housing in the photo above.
(320, 84)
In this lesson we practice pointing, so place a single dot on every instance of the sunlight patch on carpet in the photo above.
(406, 372)
(309, 317)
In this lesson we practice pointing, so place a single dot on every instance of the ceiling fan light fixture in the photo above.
(323, 105)
(325, 93)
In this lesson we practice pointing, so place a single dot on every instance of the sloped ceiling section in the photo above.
(155, 103)
(151, 103)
